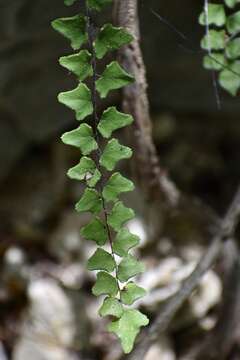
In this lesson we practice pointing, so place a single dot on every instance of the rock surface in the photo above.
(161, 350)
(3, 355)
(51, 325)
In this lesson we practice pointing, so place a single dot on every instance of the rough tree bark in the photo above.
(135, 101)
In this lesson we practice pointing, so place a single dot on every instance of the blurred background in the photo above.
(46, 307)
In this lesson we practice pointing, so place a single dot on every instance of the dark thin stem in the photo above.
(94, 95)
(171, 26)
(90, 30)
(209, 51)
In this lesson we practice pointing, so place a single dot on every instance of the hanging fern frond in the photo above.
(222, 43)
(96, 167)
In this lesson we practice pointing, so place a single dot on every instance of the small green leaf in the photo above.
(98, 4)
(132, 293)
(128, 327)
(112, 120)
(106, 284)
(90, 201)
(129, 267)
(233, 23)
(231, 3)
(111, 307)
(111, 38)
(216, 15)
(69, 2)
(73, 28)
(215, 40)
(215, 62)
(82, 138)
(119, 215)
(233, 49)
(79, 64)
(116, 185)
(124, 242)
(101, 260)
(95, 231)
(93, 180)
(230, 79)
(113, 153)
(114, 77)
(85, 170)
(78, 100)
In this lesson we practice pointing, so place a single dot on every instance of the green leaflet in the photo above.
(114, 77)
(215, 62)
(116, 185)
(111, 307)
(98, 4)
(73, 28)
(85, 170)
(95, 231)
(230, 80)
(69, 2)
(231, 3)
(233, 49)
(119, 215)
(111, 38)
(90, 201)
(128, 327)
(82, 138)
(129, 267)
(124, 241)
(101, 260)
(113, 153)
(225, 43)
(78, 100)
(233, 23)
(216, 15)
(112, 120)
(79, 64)
(214, 40)
(106, 284)
(132, 293)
